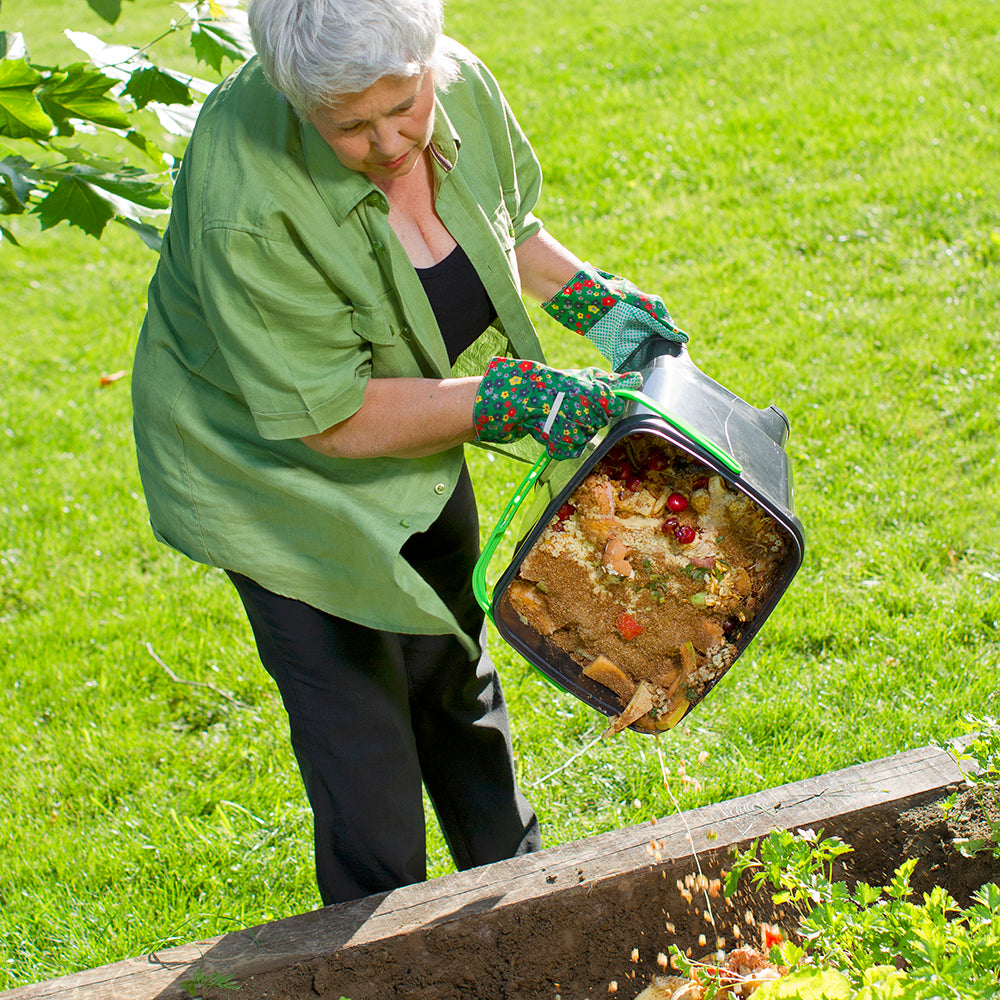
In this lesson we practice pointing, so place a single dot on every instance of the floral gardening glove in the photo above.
(611, 313)
(562, 410)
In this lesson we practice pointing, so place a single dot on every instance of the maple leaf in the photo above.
(21, 116)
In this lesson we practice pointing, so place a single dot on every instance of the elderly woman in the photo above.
(336, 312)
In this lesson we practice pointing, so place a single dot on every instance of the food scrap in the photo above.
(648, 575)
(741, 972)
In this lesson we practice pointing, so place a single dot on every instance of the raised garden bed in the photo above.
(568, 921)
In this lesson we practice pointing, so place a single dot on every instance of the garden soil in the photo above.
(606, 939)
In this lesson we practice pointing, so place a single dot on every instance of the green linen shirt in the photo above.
(280, 290)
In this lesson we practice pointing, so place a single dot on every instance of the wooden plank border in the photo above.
(889, 783)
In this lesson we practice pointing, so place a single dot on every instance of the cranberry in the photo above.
(656, 462)
(685, 534)
(677, 502)
(633, 483)
(730, 625)
(566, 511)
(670, 525)
(700, 484)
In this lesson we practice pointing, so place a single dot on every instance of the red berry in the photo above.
(633, 483)
(677, 501)
(700, 484)
(685, 534)
(670, 525)
(566, 511)
(656, 462)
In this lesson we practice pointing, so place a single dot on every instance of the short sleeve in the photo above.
(509, 151)
(523, 195)
(290, 339)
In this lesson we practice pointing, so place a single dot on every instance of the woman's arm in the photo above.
(413, 417)
(403, 418)
(545, 265)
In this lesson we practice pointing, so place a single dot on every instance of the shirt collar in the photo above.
(343, 188)
(446, 139)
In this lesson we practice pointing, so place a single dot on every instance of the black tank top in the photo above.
(461, 306)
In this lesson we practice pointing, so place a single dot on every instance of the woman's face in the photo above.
(383, 130)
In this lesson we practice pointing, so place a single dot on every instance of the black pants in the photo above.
(373, 714)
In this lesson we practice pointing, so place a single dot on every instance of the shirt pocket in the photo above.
(371, 323)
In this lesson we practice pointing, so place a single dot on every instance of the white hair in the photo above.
(316, 50)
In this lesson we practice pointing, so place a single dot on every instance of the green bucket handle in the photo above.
(479, 572)
(479, 587)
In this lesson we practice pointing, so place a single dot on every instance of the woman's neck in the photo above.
(412, 215)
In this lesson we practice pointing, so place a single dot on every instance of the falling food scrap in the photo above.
(113, 377)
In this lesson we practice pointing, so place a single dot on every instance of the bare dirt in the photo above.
(577, 943)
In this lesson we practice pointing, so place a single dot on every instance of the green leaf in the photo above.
(6, 234)
(129, 184)
(806, 984)
(882, 982)
(110, 10)
(151, 83)
(115, 181)
(214, 41)
(148, 147)
(866, 895)
(12, 45)
(80, 91)
(77, 203)
(21, 116)
(176, 119)
(969, 847)
(115, 60)
(149, 235)
(87, 197)
(15, 187)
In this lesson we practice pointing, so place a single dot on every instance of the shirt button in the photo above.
(378, 246)
(440, 488)
(405, 330)
(374, 199)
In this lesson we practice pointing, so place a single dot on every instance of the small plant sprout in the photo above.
(980, 746)
(201, 981)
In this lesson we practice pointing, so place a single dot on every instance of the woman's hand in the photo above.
(561, 410)
(608, 310)
(611, 313)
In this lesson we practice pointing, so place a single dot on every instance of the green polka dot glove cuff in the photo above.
(611, 313)
(561, 410)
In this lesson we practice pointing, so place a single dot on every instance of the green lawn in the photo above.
(813, 190)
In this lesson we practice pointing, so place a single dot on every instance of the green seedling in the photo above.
(980, 747)
(201, 981)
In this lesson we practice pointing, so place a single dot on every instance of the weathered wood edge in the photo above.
(890, 781)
